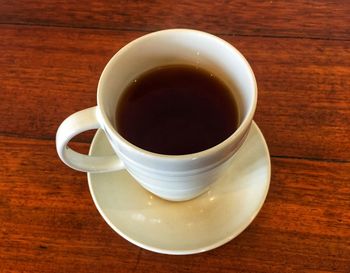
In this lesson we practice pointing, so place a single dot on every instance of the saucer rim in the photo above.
(217, 244)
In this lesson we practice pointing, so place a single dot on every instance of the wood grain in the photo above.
(49, 222)
(303, 107)
(52, 53)
(301, 18)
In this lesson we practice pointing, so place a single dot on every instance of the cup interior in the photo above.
(177, 46)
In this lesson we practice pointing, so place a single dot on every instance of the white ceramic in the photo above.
(174, 178)
(194, 226)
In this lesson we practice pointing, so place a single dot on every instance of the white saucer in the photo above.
(194, 226)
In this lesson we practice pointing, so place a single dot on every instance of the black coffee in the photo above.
(176, 110)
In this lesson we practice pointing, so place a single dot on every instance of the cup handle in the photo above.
(75, 124)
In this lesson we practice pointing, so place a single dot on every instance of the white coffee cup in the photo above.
(172, 177)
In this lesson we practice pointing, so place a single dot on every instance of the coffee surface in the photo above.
(176, 110)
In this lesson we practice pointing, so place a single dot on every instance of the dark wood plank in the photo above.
(301, 18)
(49, 222)
(48, 73)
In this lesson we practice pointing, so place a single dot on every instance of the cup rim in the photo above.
(243, 125)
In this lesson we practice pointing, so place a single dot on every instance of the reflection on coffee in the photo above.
(176, 110)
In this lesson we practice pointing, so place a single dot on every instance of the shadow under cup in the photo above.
(185, 174)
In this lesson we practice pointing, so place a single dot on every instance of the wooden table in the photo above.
(51, 56)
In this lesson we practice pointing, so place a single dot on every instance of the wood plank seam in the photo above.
(155, 29)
